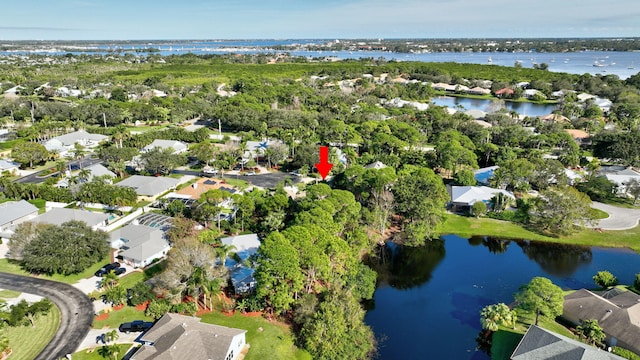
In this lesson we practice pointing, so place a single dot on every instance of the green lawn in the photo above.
(469, 226)
(13, 267)
(504, 342)
(131, 279)
(8, 294)
(240, 184)
(117, 317)
(94, 354)
(27, 341)
(273, 342)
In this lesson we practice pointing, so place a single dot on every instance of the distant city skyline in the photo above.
(327, 19)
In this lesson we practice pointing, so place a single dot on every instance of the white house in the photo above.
(95, 170)
(12, 213)
(177, 147)
(176, 336)
(139, 245)
(463, 197)
(9, 166)
(59, 216)
(149, 187)
(64, 144)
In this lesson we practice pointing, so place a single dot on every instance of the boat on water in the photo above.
(489, 60)
(598, 64)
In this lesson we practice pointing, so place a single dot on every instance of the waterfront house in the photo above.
(176, 336)
(504, 92)
(463, 197)
(538, 343)
(617, 312)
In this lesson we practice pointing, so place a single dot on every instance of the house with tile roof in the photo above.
(176, 337)
(538, 343)
(617, 312)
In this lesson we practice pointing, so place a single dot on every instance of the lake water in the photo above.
(428, 300)
(489, 106)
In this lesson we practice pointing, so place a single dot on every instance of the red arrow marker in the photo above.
(324, 166)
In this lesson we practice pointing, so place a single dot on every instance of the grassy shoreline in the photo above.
(468, 226)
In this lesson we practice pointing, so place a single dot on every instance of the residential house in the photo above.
(139, 245)
(176, 336)
(59, 216)
(580, 136)
(256, 149)
(538, 343)
(603, 104)
(244, 246)
(476, 114)
(13, 213)
(195, 190)
(95, 170)
(504, 92)
(555, 118)
(397, 102)
(177, 147)
(376, 165)
(463, 197)
(617, 312)
(582, 97)
(8, 166)
(531, 93)
(64, 144)
(619, 175)
(478, 91)
(483, 123)
(149, 188)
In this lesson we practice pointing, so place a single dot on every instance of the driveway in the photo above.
(267, 181)
(619, 218)
(75, 307)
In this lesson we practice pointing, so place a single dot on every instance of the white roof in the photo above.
(164, 144)
(79, 136)
(470, 194)
(242, 242)
(14, 210)
(376, 165)
(58, 216)
(149, 185)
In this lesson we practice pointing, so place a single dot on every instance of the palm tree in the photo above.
(79, 153)
(109, 351)
(83, 175)
(109, 280)
(111, 336)
(496, 315)
(590, 330)
(60, 167)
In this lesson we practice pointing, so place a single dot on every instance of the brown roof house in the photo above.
(178, 337)
(539, 343)
(617, 312)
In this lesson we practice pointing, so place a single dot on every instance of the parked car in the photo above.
(135, 326)
(120, 271)
(249, 173)
(105, 269)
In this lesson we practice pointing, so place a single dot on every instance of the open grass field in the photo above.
(268, 339)
(468, 226)
(117, 317)
(27, 341)
(13, 267)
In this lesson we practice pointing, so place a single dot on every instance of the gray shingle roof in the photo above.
(14, 210)
(80, 135)
(141, 242)
(539, 343)
(174, 336)
(166, 144)
(58, 216)
(149, 185)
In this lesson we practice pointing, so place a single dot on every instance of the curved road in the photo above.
(76, 311)
(619, 218)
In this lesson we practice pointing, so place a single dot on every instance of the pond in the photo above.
(490, 106)
(428, 300)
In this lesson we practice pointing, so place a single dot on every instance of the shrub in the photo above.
(605, 279)
(636, 282)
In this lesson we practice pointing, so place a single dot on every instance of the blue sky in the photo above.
(253, 19)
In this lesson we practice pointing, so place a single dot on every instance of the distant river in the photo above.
(622, 64)
(428, 301)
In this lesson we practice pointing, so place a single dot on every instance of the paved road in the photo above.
(619, 218)
(35, 179)
(265, 180)
(75, 307)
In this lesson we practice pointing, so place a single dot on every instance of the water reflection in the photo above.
(557, 259)
(407, 267)
(495, 245)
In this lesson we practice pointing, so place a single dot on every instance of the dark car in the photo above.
(120, 271)
(105, 269)
(135, 326)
